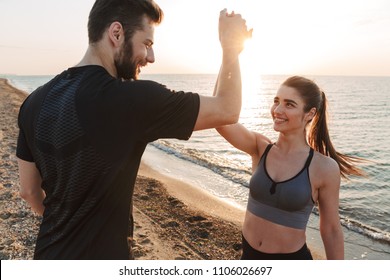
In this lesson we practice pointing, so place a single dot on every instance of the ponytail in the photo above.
(319, 140)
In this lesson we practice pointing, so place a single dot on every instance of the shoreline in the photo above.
(173, 219)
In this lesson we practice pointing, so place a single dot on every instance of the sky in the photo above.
(303, 37)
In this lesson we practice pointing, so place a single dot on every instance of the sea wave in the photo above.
(213, 162)
(361, 228)
(366, 230)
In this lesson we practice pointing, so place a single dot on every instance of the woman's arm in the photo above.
(245, 140)
(241, 138)
(328, 198)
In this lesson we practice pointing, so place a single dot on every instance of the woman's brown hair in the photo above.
(318, 136)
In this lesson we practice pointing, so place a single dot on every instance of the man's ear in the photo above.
(116, 34)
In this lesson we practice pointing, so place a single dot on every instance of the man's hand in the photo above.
(233, 31)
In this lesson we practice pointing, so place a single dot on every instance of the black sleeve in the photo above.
(22, 149)
(163, 113)
(147, 111)
(27, 114)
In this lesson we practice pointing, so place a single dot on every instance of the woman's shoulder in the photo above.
(325, 166)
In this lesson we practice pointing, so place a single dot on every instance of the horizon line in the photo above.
(199, 73)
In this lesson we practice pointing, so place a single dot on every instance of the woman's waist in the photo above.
(268, 237)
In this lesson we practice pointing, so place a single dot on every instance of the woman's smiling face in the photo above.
(287, 110)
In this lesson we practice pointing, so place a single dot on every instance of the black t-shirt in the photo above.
(86, 132)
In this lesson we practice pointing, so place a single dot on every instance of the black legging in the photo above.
(248, 253)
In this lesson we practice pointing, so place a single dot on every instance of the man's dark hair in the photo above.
(128, 12)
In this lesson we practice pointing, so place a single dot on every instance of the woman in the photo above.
(290, 176)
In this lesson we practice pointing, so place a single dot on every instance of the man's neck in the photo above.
(97, 55)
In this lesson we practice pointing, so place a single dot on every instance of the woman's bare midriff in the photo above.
(269, 237)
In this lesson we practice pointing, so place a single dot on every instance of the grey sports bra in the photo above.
(288, 203)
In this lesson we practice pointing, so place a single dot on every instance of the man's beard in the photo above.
(126, 68)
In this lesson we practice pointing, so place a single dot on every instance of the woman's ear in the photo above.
(310, 115)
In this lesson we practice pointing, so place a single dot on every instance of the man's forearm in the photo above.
(30, 185)
(35, 201)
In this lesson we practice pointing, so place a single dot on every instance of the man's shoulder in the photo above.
(47, 85)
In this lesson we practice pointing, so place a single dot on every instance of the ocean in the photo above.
(359, 118)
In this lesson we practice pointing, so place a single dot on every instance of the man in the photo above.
(83, 133)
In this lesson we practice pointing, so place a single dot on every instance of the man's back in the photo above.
(86, 134)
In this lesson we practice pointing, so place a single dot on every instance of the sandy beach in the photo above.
(173, 220)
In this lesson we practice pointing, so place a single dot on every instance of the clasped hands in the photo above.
(233, 31)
